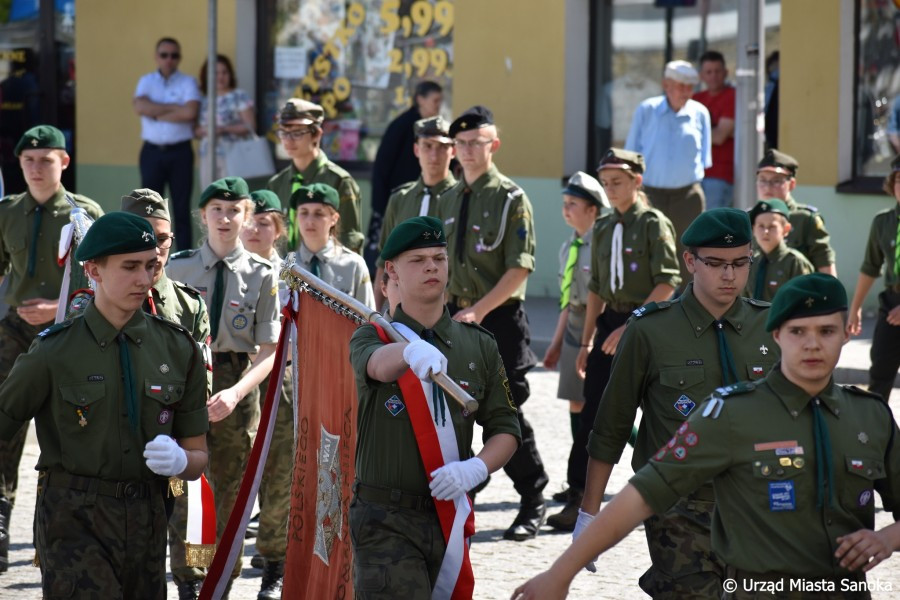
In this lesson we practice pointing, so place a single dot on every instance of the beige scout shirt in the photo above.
(342, 269)
(250, 311)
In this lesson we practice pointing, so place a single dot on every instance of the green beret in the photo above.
(474, 118)
(418, 232)
(145, 203)
(42, 136)
(434, 127)
(227, 188)
(718, 228)
(265, 201)
(778, 162)
(617, 158)
(303, 111)
(318, 193)
(116, 233)
(770, 205)
(806, 296)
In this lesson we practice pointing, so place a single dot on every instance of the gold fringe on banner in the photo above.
(199, 555)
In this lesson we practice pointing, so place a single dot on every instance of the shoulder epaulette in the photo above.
(191, 290)
(261, 260)
(479, 328)
(53, 329)
(861, 392)
(184, 253)
(756, 303)
(652, 307)
(735, 389)
(337, 169)
(807, 207)
(5, 198)
(403, 187)
(172, 324)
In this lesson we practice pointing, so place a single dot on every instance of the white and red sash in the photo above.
(200, 541)
(438, 446)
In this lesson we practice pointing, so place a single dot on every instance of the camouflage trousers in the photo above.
(683, 564)
(397, 552)
(780, 586)
(15, 338)
(275, 486)
(93, 546)
(230, 442)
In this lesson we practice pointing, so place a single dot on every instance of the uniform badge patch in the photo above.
(164, 368)
(691, 439)
(684, 405)
(864, 497)
(164, 416)
(239, 322)
(394, 405)
(680, 452)
(781, 496)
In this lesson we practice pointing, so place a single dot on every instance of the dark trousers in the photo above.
(509, 324)
(885, 352)
(172, 165)
(682, 205)
(596, 377)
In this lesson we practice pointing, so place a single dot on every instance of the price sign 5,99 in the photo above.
(422, 17)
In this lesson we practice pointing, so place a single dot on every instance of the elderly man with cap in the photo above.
(434, 150)
(795, 460)
(406, 496)
(490, 235)
(300, 132)
(30, 225)
(713, 337)
(674, 134)
(633, 263)
(119, 401)
(776, 177)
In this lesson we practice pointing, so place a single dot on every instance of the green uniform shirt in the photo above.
(808, 234)
(342, 269)
(648, 256)
(484, 264)
(70, 382)
(322, 170)
(17, 215)
(666, 363)
(180, 303)
(782, 265)
(761, 455)
(880, 247)
(406, 202)
(386, 451)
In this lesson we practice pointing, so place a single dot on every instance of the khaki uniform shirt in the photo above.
(180, 303)
(342, 269)
(386, 451)
(648, 256)
(761, 455)
(782, 265)
(482, 267)
(880, 249)
(406, 202)
(17, 215)
(70, 382)
(250, 311)
(808, 234)
(666, 363)
(322, 170)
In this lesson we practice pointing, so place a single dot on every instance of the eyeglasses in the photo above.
(168, 55)
(715, 263)
(164, 241)
(780, 181)
(471, 144)
(292, 135)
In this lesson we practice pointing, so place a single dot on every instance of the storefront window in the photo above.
(359, 60)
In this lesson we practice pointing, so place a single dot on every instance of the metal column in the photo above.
(749, 115)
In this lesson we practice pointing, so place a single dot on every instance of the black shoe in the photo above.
(252, 527)
(528, 522)
(258, 562)
(188, 590)
(561, 496)
(5, 510)
(272, 581)
(565, 519)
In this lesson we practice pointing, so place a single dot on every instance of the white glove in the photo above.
(424, 359)
(584, 519)
(453, 480)
(165, 457)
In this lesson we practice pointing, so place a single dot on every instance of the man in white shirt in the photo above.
(167, 101)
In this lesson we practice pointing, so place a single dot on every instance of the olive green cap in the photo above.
(42, 136)
(316, 192)
(779, 162)
(116, 233)
(434, 127)
(806, 296)
(302, 111)
(773, 205)
(718, 228)
(145, 203)
(418, 232)
(617, 158)
(265, 201)
(231, 189)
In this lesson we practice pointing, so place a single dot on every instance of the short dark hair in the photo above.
(167, 40)
(220, 58)
(712, 55)
(423, 88)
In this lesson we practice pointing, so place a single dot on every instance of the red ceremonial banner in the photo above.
(319, 560)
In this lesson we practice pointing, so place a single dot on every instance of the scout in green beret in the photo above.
(774, 262)
(795, 460)
(776, 177)
(261, 235)
(230, 189)
(882, 255)
(393, 492)
(119, 402)
(31, 221)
